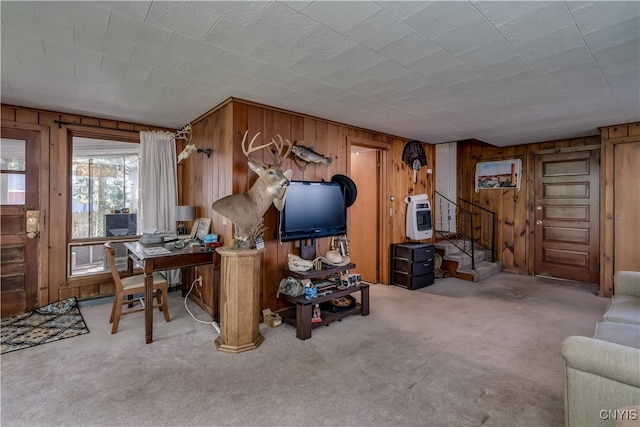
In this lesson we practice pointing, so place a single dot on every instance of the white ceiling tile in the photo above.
(453, 76)
(551, 17)
(70, 53)
(404, 9)
(488, 54)
(85, 15)
(500, 70)
(194, 50)
(21, 45)
(501, 12)
(342, 15)
(169, 78)
(242, 12)
(280, 22)
(414, 45)
(434, 63)
(475, 35)
(125, 68)
(237, 64)
(156, 58)
(133, 9)
(597, 15)
(614, 35)
(180, 17)
(358, 58)
(275, 75)
(386, 71)
(626, 51)
(109, 46)
(279, 54)
(313, 68)
(408, 82)
(440, 17)
(379, 30)
(233, 36)
(130, 30)
(563, 59)
(343, 79)
(553, 42)
(324, 43)
(190, 69)
(18, 21)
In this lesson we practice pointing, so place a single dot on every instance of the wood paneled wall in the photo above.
(514, 235)
(226, 172)
(55, 285)
(613, 183)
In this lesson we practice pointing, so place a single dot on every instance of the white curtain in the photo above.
(159, 184)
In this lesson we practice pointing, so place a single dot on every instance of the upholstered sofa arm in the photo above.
(627, 283)
(616, 362)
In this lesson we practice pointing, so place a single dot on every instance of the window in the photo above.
(104, 201)
(12, 171)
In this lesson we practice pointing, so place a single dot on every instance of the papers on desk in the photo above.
(156, 250)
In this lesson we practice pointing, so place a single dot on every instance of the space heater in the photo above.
(419, 225)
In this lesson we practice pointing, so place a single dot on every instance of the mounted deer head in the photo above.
(245, 210)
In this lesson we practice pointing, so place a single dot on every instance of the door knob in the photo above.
(539, 222)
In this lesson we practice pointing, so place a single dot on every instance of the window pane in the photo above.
(13, 154)
(90, 259)
(12, 185)
(12, 165)
(104, 182)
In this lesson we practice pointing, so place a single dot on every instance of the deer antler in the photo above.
(250, 149)
(278, 158)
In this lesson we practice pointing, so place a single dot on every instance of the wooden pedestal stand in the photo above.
(240, 273)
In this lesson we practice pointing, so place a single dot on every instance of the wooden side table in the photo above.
(240, 275)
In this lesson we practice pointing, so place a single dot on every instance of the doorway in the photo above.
(364, 214)
(567, 244)
(22, 219)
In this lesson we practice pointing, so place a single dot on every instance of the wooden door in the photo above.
(567, 215)
(363, 214)
(20, 193)
(626, 227)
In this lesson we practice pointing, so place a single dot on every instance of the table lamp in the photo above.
(184, 213)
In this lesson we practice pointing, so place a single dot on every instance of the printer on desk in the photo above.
(154, 237)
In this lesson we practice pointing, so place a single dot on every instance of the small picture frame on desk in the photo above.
(194, 228)
(204, 224)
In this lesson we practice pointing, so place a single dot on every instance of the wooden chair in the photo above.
(130, 286)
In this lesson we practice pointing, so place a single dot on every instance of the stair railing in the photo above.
(465, 227)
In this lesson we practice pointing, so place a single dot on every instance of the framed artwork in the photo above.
(194, 228)
(499, 175)
(204, 224)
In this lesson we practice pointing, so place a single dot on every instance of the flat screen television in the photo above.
(313, 210)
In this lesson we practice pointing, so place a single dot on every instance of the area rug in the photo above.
(53, 322)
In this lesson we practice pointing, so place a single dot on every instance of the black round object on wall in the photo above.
(349, 189)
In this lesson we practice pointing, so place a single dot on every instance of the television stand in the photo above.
(300, 315)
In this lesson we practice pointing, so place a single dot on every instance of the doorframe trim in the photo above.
(43, 292)
(384, 220)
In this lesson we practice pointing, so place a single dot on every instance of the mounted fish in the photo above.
(302, 156)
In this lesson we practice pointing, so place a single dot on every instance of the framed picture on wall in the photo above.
(498, 174)
(204, 224)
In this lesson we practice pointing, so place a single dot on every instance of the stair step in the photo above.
(483, 270)
(464, 260)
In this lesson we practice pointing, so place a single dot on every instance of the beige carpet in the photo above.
(453, 354)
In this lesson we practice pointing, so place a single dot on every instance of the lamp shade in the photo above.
(185, 213)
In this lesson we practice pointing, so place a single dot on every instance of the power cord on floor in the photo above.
(213, 323)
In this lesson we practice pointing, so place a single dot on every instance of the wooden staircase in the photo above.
(458, 263)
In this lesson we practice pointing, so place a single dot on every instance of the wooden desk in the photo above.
(178, 258)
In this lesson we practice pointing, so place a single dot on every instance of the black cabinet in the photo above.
(412, 265)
